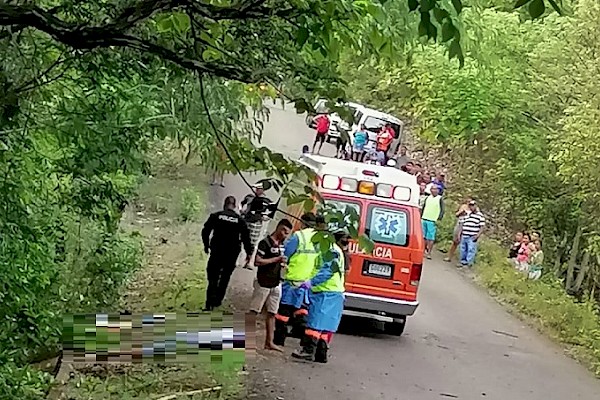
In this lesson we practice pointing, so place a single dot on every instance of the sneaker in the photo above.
(302, 354)
(447, 259)
(428, 255)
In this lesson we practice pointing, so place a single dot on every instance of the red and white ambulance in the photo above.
(383, 285)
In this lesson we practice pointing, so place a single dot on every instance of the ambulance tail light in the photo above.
(384, 190)
(331, 182)
(349, 185)
(415, 274)
(401, 193)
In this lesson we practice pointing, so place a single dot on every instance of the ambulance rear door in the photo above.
(390, 271)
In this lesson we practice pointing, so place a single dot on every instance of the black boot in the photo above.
(298, 326)
(321, 351)
(280, 334)
(307, 351)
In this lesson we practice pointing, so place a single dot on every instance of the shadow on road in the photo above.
(361, 327)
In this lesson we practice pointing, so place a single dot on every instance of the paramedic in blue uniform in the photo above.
(326, 302)
(229, 232)
(302, 256)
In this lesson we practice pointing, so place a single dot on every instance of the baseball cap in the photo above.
(472, 202)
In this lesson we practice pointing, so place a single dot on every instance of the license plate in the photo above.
(380, 270)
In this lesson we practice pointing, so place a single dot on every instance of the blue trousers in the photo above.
(468, 250)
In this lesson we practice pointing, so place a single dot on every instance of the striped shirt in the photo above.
(473, 223)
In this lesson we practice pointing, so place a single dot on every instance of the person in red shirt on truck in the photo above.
(322, 122)
(384, 139)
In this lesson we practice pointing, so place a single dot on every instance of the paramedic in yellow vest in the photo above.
(432, 211)
(326, 302)
(302, 256)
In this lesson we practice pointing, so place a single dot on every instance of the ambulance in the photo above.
(383, 285)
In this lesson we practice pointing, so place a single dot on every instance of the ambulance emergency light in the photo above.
(401, 193)
(331, 182)
(384, 190)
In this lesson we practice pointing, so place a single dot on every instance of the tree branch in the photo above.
(114, 33)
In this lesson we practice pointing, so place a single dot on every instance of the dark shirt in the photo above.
(257, 206)
(228, 231)
(268, 275)
(514, 250)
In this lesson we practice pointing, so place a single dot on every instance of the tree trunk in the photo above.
(573, 258)
(585, 265)
(559, 255)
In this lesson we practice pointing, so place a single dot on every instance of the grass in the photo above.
(544, 304)
(168, 215)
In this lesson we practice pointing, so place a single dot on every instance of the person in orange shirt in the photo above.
(384, 140)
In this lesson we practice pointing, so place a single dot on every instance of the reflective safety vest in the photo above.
(336, 282)
(302, 263)
(432, 209)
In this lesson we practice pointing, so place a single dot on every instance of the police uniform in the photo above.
(229, 232)
(302, 257)
(326, 304)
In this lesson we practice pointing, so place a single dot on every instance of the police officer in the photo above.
(229, 231)
(302, 255)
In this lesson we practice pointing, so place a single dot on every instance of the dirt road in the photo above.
(459, 345)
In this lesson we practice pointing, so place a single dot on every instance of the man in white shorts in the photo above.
(267, 285)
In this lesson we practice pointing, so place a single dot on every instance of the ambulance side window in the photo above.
(343, 206)
(387, 225)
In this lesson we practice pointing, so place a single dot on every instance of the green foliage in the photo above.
(22, 383)
(191, 205)
(87, 87)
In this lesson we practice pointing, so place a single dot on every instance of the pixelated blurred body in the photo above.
(173, 338)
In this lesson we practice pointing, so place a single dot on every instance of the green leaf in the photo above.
(457, 5)
(165, 24)
(181, 22)
(521, 3)
(301, 106)
(537, 8)
(309, 205)
(427, 5)
(556, 7)
(456, 51)
(413, 5)
(366, 244)
(440, 14)
(448, 31)
(302, 36)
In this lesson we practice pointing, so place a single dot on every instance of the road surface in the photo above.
(460, 344)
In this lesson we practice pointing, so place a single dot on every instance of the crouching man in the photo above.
(326, 302)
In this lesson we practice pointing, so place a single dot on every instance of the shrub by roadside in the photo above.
(543, 303)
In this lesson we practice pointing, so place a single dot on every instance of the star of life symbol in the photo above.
(388, 225)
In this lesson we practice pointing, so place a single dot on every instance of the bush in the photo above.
(23, 383)
(191, 205)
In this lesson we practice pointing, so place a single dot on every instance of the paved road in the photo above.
(459, 345)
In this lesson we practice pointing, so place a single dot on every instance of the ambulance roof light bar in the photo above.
(385, 190)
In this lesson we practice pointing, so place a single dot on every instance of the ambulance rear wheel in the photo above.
(395, 328)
